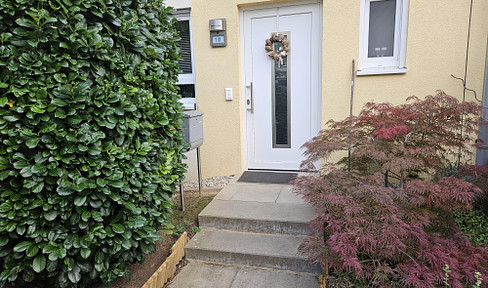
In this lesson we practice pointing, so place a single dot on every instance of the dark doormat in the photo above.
(267, 177)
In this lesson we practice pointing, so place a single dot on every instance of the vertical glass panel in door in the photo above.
(381, 28)
(281, 101)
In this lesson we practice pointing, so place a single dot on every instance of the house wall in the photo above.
(436, 45)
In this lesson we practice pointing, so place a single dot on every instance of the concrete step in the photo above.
(252, 249)
(254, 208)
(210, 275)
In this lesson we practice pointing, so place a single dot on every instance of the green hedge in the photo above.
(91, 140)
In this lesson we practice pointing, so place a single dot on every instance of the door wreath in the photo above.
(282, 51)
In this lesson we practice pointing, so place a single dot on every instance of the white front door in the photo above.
(282, 100)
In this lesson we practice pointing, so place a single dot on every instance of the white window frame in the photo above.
(383, 65)
(188, 79)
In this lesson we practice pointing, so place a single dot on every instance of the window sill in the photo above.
(381, 71)
(189, 103)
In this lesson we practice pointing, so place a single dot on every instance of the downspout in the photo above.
(467, 51)
(482, 153)
(353, 70)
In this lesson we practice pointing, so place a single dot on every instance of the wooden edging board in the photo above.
(322, 282)
(168, 269)
(325, 274)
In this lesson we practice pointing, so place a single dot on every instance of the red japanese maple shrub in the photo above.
(478, 175)
(390, 224)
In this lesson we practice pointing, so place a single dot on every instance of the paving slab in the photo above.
(290, 212)
(288, 196)
(205, 275)
(210, 275)
(257, 194)
(250, 192)
(288, 218)
(250, 278)
(225, 193)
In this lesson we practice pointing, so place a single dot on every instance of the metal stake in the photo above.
(199, 167)
(182, 198)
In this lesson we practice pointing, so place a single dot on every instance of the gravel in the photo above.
(213, 182)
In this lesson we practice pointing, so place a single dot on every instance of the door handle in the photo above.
(249, 100)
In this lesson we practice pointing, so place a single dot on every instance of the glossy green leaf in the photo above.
(85, 252)
(117, 184)
(149, 188)
(69, 263)
(47, 127)
(37, 110)
(74, 275)
(59, 102)
(38, 168)
(80, 200)
(6, 207)
(118, 228)
(64, 191)
(61, 78)
(38, 188)
(99, 256)
(32, 142)
(101, 182)
(62, 92)
(26, 172)
(85, 215)
(32, 250)
(21, 164)
(3, 240)
(25, 22)
(39, 263)
(11, 118)
(50, 215)
(22, 246)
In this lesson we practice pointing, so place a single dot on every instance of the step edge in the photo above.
(278, 235)
(256, 267)
(256, 226)
(296, 257)
(253, 219)
(302, 263)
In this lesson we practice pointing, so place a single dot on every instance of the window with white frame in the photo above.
(186, 78)
(383, 37)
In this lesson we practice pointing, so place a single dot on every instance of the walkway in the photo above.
(250, 237)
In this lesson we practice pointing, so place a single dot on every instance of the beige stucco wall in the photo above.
(436, 46)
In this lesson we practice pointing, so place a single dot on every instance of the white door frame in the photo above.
(317, 73)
